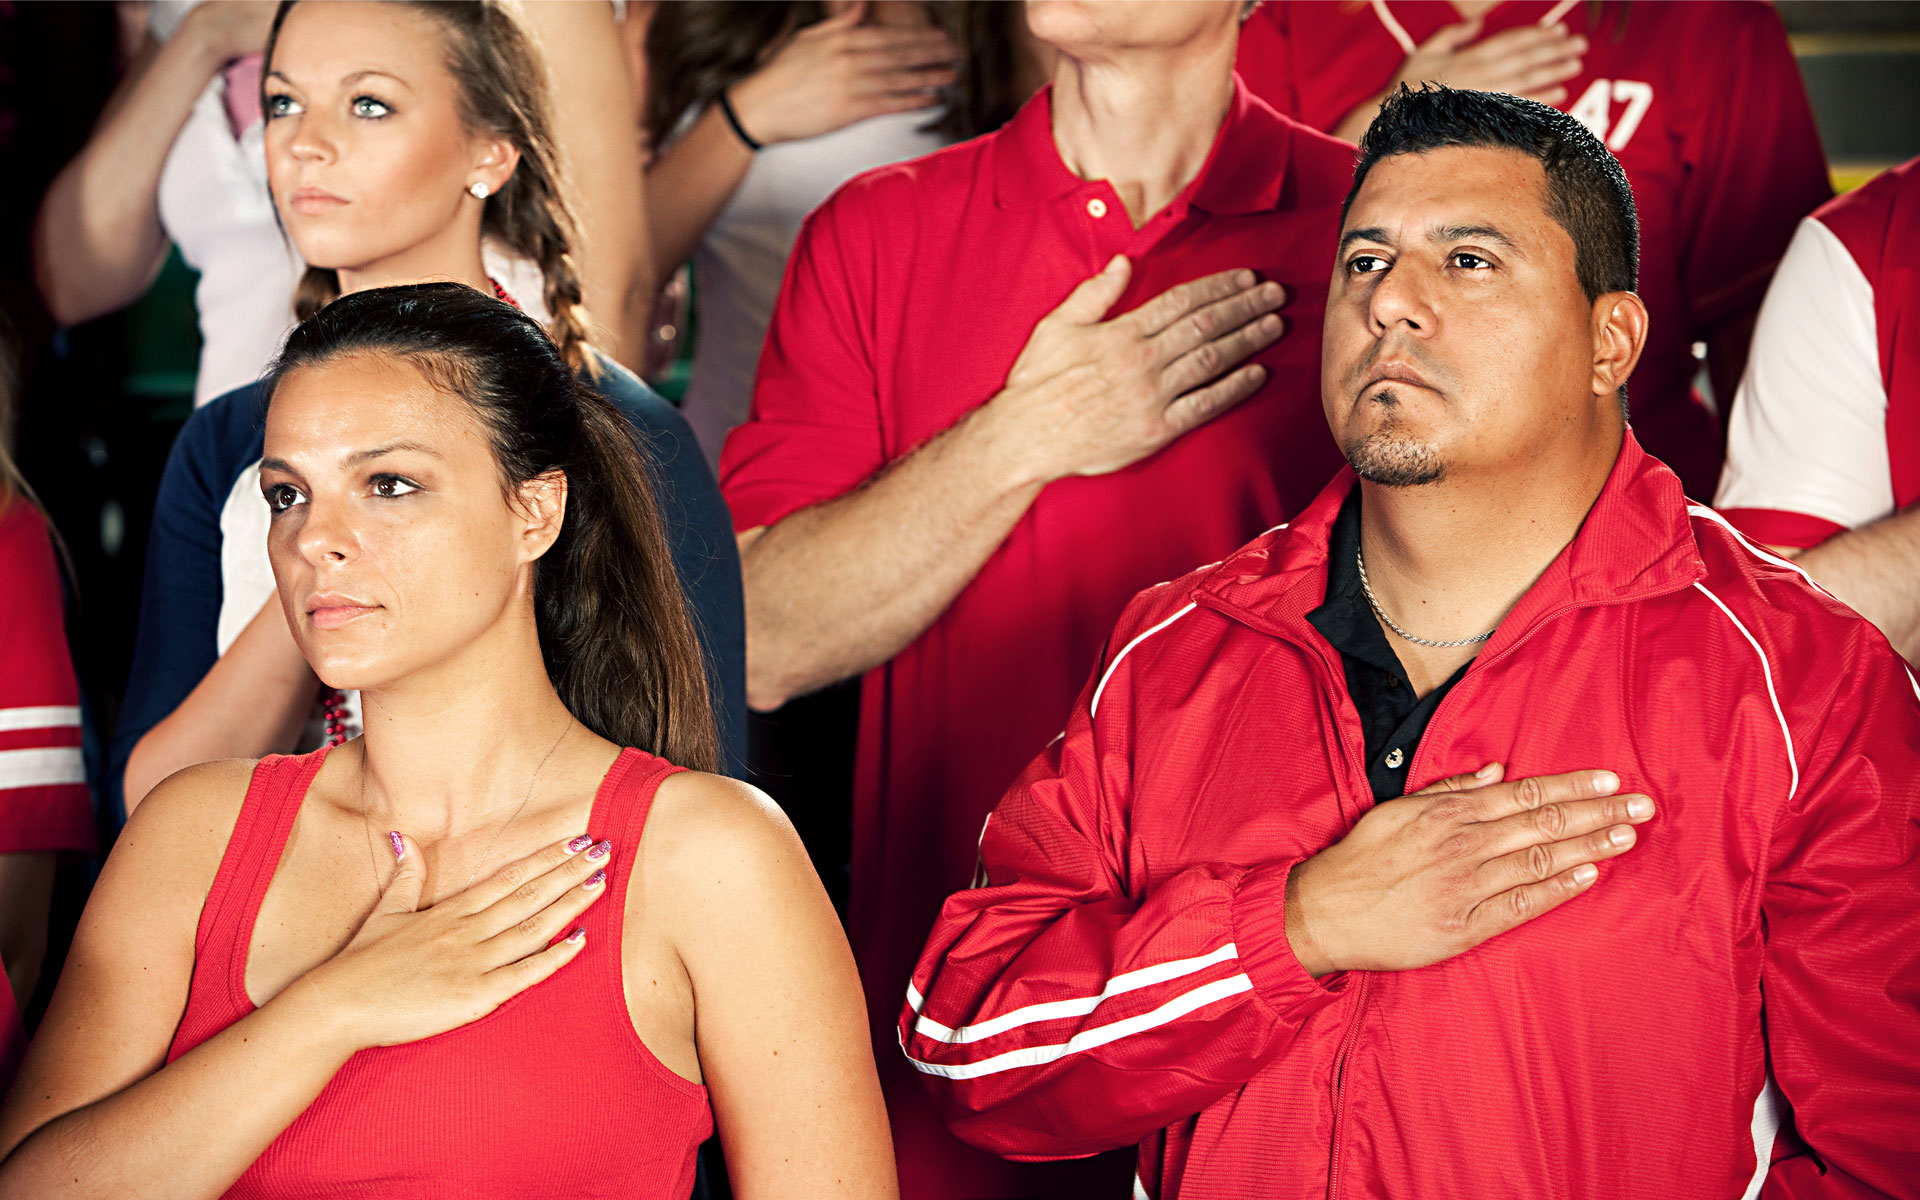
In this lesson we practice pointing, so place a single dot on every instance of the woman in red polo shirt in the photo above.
(44, 806)
(1702, 104)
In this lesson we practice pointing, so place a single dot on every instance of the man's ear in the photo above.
(1619, 334)
(541, 503)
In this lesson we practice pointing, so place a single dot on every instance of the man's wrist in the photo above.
(1300, 937)
(1014, 459)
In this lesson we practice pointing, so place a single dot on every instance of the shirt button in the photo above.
(1395, 758)
(1096, 208)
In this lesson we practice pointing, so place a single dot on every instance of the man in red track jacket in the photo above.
(1207, 931)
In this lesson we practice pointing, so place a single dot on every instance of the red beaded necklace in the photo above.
(333, 706)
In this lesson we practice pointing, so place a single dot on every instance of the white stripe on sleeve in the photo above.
(49, 716)
(41, 767)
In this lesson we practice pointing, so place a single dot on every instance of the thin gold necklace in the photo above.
(367, 826)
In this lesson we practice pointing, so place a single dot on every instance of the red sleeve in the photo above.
(1841, 915)
(1754, 164)
(1065, 1008)
(44, 803)
(814, 432)
(1264, 61)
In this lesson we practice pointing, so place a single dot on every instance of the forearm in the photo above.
(600, 142)
(1876, 569)
(192, 1127)
(841, 587)
(98, 239)
(252, 702)
(26, 895)
(688, 184)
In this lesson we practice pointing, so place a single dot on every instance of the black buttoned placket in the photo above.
(1393, 719)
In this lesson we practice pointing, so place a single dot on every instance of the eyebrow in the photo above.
(345, 80)
(358, 456)
(1446, 233)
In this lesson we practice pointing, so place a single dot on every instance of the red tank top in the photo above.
(505, 1106)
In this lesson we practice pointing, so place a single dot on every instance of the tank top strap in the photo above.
(279, 784)
(620, 809)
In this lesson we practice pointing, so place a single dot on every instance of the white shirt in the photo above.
(740, 263)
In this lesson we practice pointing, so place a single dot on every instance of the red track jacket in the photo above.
(1125, 976)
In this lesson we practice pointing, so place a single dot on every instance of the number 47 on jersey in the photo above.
(1594, 109)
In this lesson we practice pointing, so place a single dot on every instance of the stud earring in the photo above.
(479, 189)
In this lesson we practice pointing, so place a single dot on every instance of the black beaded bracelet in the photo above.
(733, 119)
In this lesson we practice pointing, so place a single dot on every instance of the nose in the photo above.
(312, 138)
(1401, 300)
(326, 536)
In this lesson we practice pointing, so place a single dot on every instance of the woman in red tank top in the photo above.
(498, 945)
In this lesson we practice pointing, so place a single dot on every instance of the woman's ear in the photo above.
(1619, 334)
(494, 161)
(542, 506)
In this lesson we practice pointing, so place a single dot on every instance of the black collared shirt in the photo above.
(1393, 720)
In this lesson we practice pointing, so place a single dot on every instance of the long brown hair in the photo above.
(503, 91)
(697, 47)
(615, 632)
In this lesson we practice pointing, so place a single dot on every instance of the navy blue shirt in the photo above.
(180, 602)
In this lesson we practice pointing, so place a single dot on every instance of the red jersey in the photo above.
(495, 1107)
(44, 804)
(1702, 104)
(1826, 433)
(908, 297)
(1731, 1011)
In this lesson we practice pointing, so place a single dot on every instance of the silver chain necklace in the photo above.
(1366, 587)
(565, 729)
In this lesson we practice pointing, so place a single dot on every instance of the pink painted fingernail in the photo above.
(399, 845)
(593, 881)
(578, 844)
(576, 937)
(600, 851)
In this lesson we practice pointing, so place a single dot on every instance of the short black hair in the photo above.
(1587, 192)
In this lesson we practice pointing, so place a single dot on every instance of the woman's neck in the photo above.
(450, 259)
(1144, 121)
(455, 746)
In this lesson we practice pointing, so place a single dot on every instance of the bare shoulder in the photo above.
(708, 831)
(179, 832)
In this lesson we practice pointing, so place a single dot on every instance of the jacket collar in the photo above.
(1243, 172)
(1636, 542)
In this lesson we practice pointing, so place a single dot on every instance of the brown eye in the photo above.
(392, 487)
(281, 497)
(1471, 262)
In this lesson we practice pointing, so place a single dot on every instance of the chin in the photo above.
(1395, 461)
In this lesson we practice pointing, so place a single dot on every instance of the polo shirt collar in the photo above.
(1636, 542)
(1243, 172)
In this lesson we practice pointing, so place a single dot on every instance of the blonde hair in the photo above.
(503, 91)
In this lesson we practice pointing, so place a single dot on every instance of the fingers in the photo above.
(878, 47)
(1089, 303)
(1516, 906)
(1206, 363)
(1491, 773)
(1449, 38)
(547, 888)
(1197, 408)
(1599, 838)
(516, 875)
(538, 926)
(1500, 800)
(1565, 819)
(403, 890)
(1169, 306)
(1211, 322)
(523, 973)
(919, 81)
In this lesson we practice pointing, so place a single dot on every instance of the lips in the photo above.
(332, 611)
(1394, 372)
(312, 201)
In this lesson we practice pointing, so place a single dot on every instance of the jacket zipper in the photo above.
(1340, 1081)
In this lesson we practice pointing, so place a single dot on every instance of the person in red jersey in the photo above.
(1702, 104)
(1215, 924)
(45, 809)
(1823, 457)
(503, 943)
(1008, 385)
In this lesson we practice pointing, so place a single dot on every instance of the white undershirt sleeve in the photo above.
(1808, 434)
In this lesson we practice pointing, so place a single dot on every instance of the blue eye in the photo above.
(279, 104)
(370, 108)
(281, 497)
(392, 487)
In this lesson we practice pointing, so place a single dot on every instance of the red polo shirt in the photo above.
(908, 296)
(1826, 433)
(1702, 104)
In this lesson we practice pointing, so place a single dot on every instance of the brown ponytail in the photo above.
(503, 91)
(618, 640)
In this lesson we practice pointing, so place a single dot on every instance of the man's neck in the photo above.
(1144, 121)
(1449, 560)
